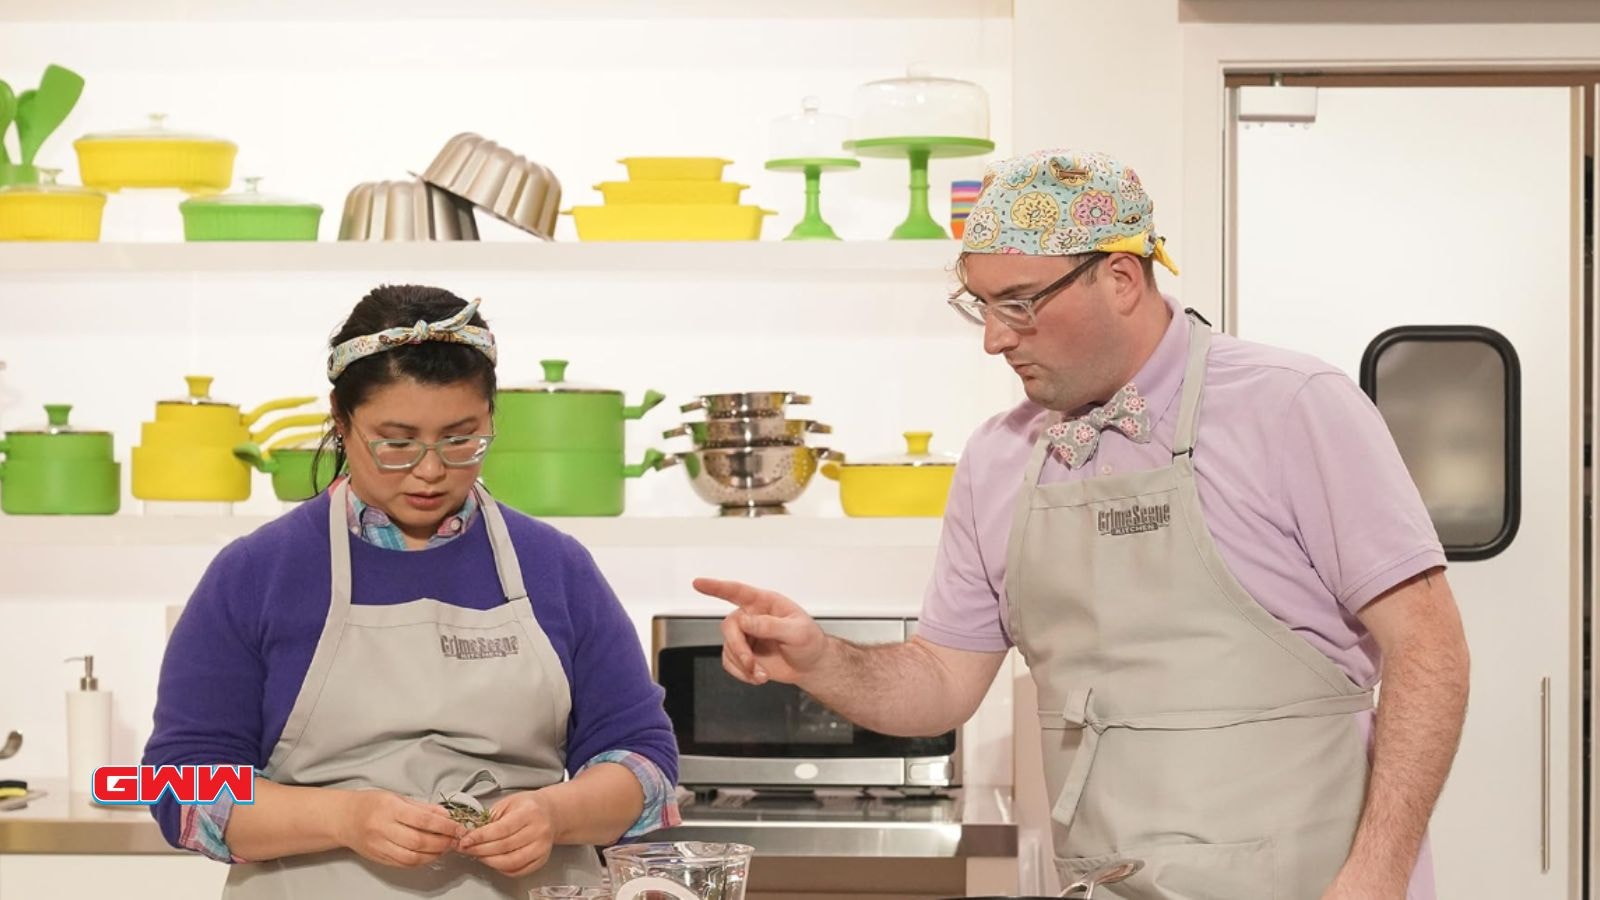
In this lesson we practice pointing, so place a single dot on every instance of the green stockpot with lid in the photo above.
(557, 414)
(562, 482)
(59, 470)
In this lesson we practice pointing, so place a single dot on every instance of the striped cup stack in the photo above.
(962, 195)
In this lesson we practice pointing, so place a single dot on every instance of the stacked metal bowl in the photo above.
(749, 457)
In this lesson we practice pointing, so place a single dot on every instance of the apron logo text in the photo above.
(477, 648)
(1135, 519)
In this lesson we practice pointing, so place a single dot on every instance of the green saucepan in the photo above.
(562, 482)
(58, 470)
(289, 460)
(557, 414)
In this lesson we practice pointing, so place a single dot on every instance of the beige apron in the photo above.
(1183, 724)
(423, 699)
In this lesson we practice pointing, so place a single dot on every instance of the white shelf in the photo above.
(136, 559)
(856, 261)
(389, 10)
(23, 534)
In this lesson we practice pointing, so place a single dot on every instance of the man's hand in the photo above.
(1426, 675)
(769, 637)
(518, 839)
(1351, 885)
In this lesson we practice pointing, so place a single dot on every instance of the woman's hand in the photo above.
(394, 830)
(518, 839)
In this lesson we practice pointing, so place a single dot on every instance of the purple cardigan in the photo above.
(238, 655)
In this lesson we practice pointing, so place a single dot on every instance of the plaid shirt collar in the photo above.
(373, 525)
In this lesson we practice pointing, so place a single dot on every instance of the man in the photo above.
(1207, 550)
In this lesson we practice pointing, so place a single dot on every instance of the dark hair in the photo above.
(431, 362)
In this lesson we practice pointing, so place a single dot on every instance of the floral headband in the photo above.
(453, 330)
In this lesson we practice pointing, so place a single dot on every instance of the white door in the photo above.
(1413, 206)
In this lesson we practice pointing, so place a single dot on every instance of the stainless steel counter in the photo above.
(58, 823)
(972, 823)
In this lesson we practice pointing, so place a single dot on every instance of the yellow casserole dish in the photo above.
(671, 191)
(669, 222)
(916, 483)
(50, 212)
(674, 168)
(155, 157)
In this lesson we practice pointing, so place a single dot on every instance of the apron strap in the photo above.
(339, 538)
(1020, 510)
(339, 549)
(1078, 713)
(1194, 377)
(505, 554)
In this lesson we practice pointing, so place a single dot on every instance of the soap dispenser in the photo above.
(88, 729)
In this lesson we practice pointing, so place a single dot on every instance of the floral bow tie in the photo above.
(1074, 441)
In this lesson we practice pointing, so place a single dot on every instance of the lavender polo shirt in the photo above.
(1300, 482)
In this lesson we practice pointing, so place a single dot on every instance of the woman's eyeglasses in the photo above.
(457, 452)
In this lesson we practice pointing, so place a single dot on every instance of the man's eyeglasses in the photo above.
(1020, 314)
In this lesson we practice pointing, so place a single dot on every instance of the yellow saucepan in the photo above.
(301, 420)
(916, 483)
(189, 434)
(199, 418)
(190, 473)
(187, 453)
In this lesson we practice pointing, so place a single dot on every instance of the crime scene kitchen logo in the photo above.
(477, 648)
(1135, 519)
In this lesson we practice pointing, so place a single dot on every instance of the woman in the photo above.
(403, 639)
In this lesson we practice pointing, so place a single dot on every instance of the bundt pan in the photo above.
(405, 211)
(509, 187)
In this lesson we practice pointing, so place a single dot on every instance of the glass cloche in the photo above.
(809, 134)
(919, 105)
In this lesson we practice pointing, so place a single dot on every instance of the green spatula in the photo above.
(39, 116)
(24, 123)
(8, 111)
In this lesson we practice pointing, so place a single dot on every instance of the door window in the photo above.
(1450, 397)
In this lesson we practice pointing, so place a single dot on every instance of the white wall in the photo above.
(1106, 76)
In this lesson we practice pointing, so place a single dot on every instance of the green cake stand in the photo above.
(812, 227)
(919, 224)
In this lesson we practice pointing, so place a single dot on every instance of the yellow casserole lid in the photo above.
(156, 130)
(47, 185)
